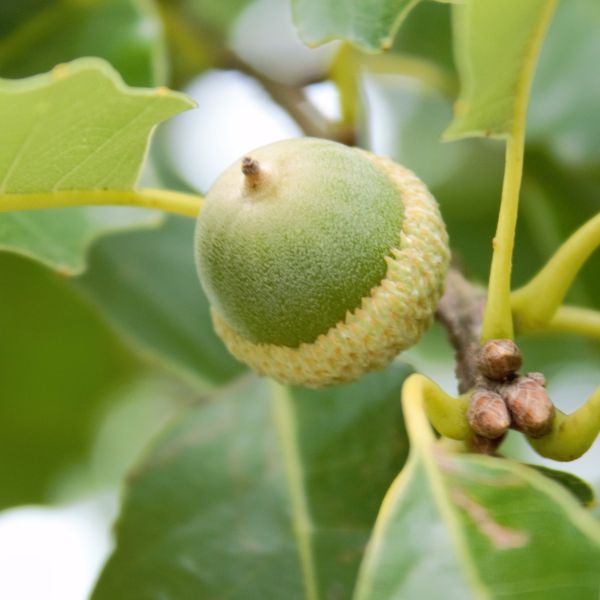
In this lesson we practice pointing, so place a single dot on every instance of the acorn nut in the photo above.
(320, 261)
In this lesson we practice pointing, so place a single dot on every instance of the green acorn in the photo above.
(321, 262)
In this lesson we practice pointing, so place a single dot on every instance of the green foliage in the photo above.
(501, 530)
(255, 490)
(564, 101)
(160, 306)
(46, 413)
(369, 25)
(495, 48)
(497, 528)
(582, 490)
(262, 492)
(76, 128)
(35, 35)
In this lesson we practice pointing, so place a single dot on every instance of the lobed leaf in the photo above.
(78, 127)
(264, 492)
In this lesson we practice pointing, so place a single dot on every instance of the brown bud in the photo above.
(484, 445)
(488, 415)
(531, 409)
(499, 359)
(538, 377)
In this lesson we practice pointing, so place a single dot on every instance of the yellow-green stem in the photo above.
(169, 201)
(571, 435)
(497, 321)
(535, 304)
(574, 319)
(447, 414)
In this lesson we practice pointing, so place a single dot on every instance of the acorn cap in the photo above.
(321, 262)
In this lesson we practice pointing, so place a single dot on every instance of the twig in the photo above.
(293, 99)
(461, 312)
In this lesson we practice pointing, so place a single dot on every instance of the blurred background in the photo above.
(93, 362)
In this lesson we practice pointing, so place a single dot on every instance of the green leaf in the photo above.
(59, 365)
(76, 128)
(146, 283)
(60, 238)
(483, 527)
(582, 490)
(565, 95)
(406, 120)
(496, 47)
(38, 34)
(264, 492)
(368, 24)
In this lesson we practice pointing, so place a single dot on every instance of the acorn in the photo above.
(321, 262)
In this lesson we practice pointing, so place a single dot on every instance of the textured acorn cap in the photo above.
(363, 276)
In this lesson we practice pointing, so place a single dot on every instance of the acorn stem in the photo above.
(252, 172)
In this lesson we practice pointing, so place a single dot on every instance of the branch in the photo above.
(294, 101)
(461, 312)
(194, 39)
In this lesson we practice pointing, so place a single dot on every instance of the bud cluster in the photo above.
(504, 399)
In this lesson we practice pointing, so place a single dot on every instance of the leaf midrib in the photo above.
(284, 419)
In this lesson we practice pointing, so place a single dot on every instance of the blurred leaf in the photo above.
(496, 47)
(216, 16)
(264, 492)
(197, 34)
(565, 100)
(75, 128)
(58, 366)
(406, 120)
(466, 526)
(133, 414)
(146, 283)
(60, 238)
(367, 24)
(427, 34)
(556, 202)
(581, 489)
(35, 35)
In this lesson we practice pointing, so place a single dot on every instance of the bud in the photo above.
(499, 359)
(484, 445)
(531, 409)
(487, 414)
